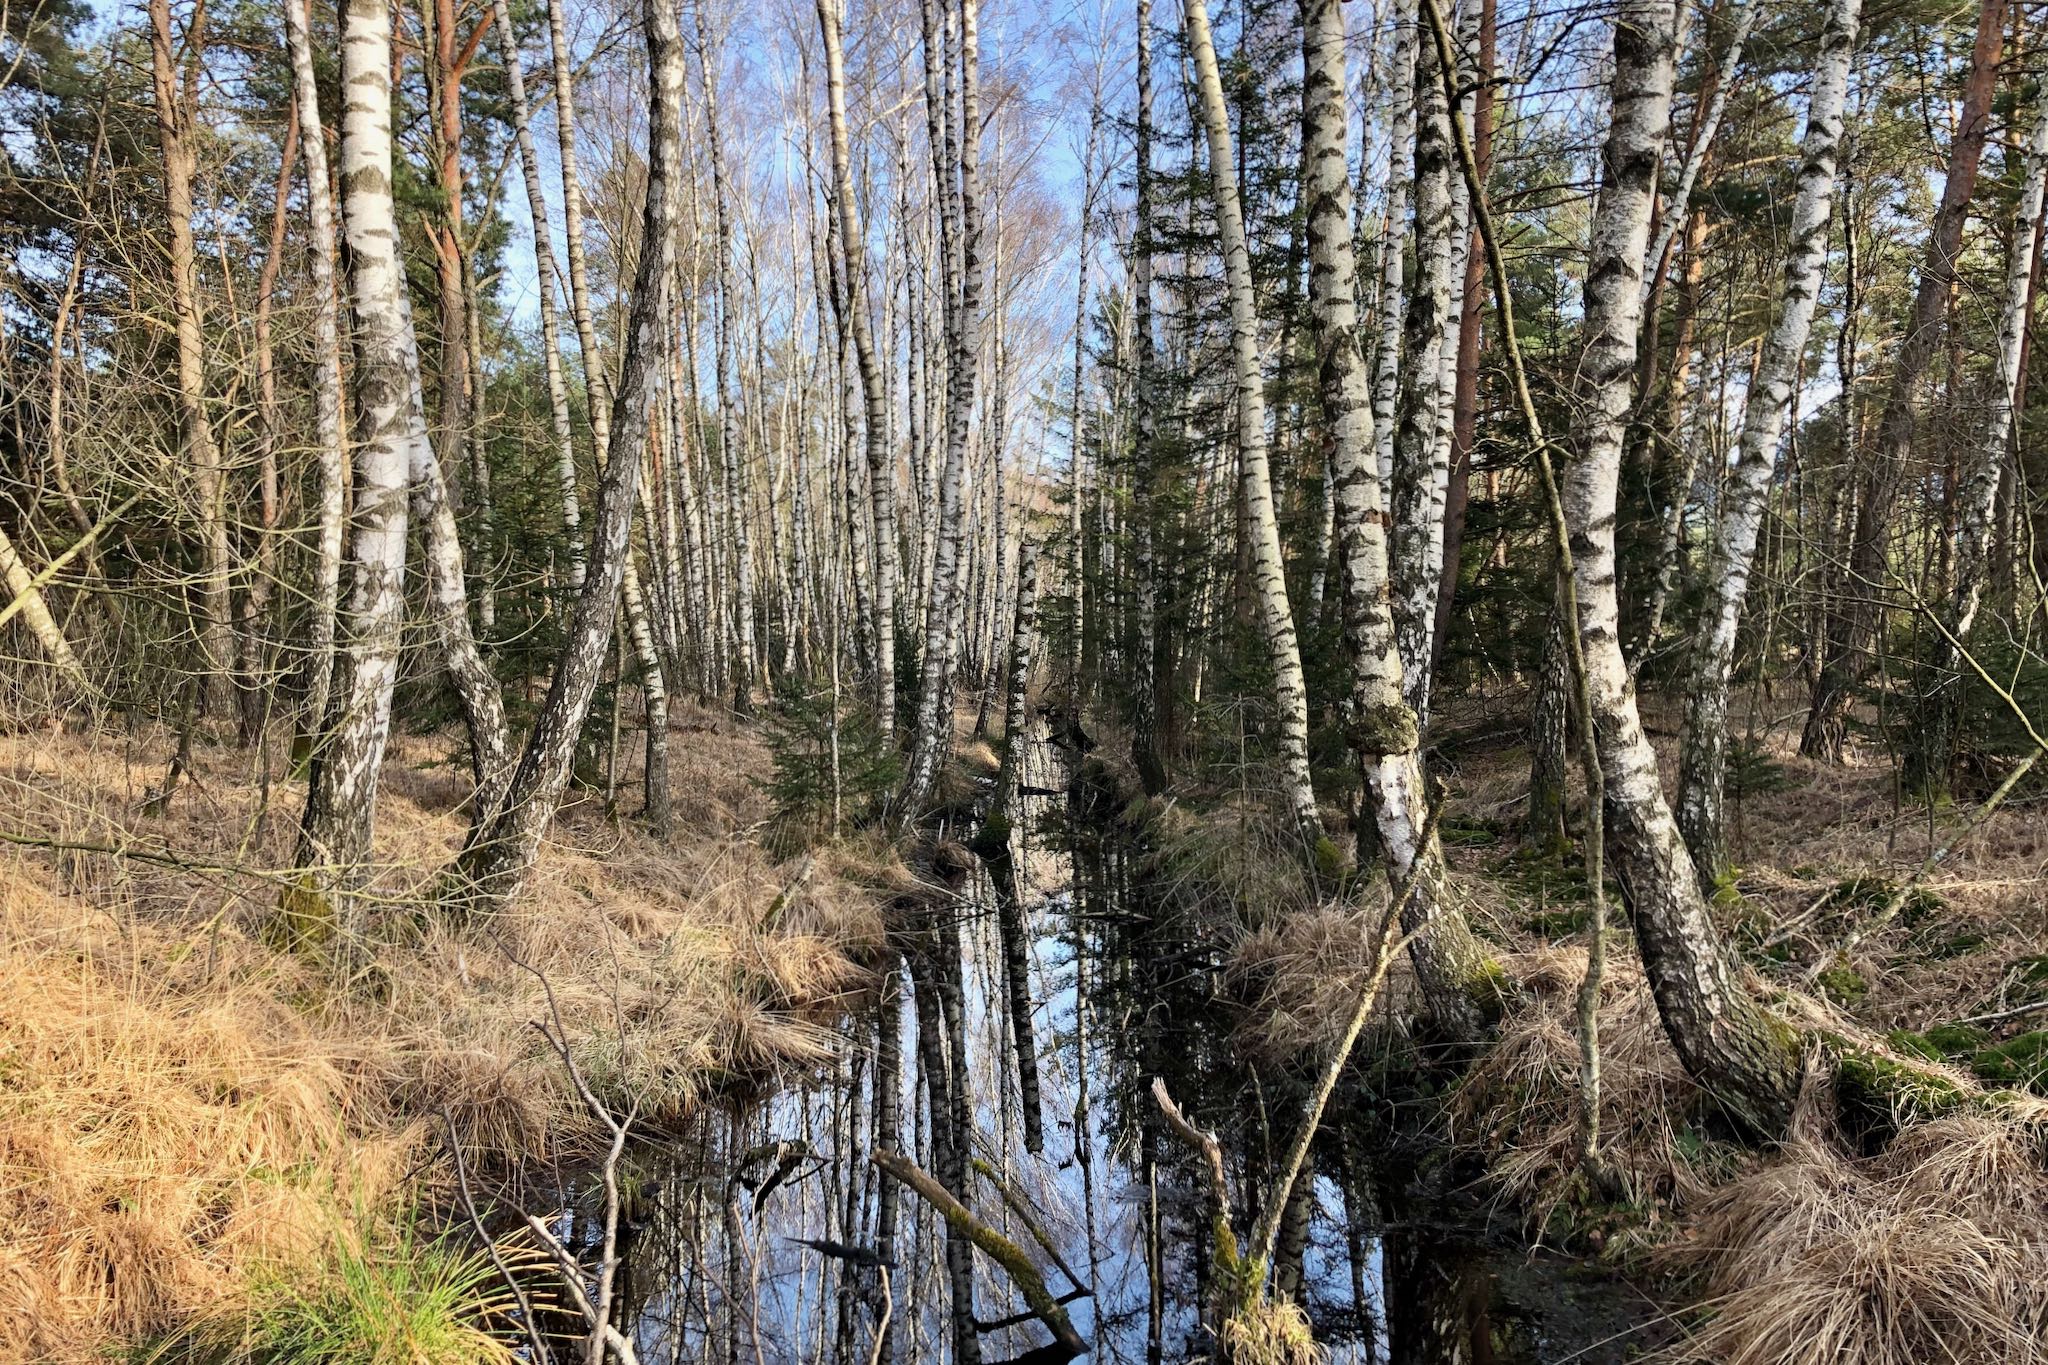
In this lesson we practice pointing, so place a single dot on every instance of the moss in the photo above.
(305, 919)
(1468, 833)
(1905, 1040)
(2019, 1061)
(1328, 859)
(1490, 988)
(992, 840)
(1886, 1085)
(1843, 982)
(1384, 728)
(1559, 923)
(1726, 893)
(1957, 1040)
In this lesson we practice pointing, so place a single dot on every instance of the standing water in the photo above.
(756, 1239)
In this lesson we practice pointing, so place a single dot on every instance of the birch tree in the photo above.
(1733, 1046)
(881, 461)
(341, 798)
(1458, 976)
(1704, 756)
(957, 176)
(1421, 454)
(1983, 464)
(498, 855)
(1852, 614)
(1268, 575)
(327, 377)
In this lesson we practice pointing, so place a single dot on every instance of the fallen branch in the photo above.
(1067, 1343)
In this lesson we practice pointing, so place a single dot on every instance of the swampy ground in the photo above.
(212, 1149)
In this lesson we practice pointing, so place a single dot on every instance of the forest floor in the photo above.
(185, 1106)
(1917, 1246)
(187, 1109)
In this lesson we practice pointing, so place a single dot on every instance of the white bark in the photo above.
(881, 461)
(1747, 487)
(332, 466)
(1978, 495)
(1381, 727)
(1422, 446)
(1679, 205)
(1729, 1043)
(544, 262)
(1268, 575)
(497, 858)
(25, 598)
(1394, 242)
(335, 831)
(731, 455)
(959, 191)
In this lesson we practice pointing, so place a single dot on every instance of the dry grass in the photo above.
(180, 1104)
(1520, 1102)
(1270, 1332)
(1930, 1252)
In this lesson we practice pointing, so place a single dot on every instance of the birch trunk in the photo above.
(1458, 977)
(25, 597)
(729, 449)
(1394, 241)
(1734, 1047)
(201, 451)
(341, 799)
(1268, 575)
(997, 845)
(496, 858)
(476, 687)
(599, 397)
(958, 180)
(329, 461)
(1704, 751)
(1146, 673)
(544, 262)
(881, 461)
(1422, 442)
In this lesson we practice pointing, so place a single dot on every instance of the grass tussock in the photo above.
(380, 1296)
(1930, 1251)
(184, 1107)
(1520, 1102)
(154, 1144)
(1270, 1332)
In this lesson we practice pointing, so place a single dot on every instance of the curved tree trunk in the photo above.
(1268, 574)
(1704, 756)
(1458, 976)
(1728, 1041)
(497, 857)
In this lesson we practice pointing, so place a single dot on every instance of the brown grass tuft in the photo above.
(1930, 1251)
(1520, 1100)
